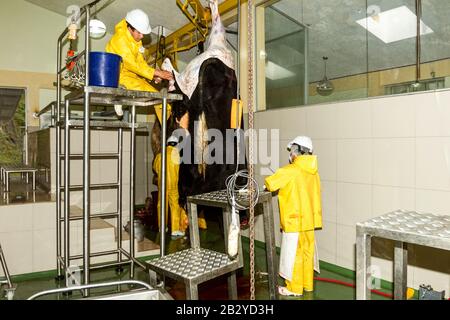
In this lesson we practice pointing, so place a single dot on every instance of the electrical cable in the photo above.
(234, 189)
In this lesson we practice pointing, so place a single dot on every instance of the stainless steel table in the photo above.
(403, 227)
(6, 171)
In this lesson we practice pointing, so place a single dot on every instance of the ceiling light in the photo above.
(97, 28)
(394, 25)
(325, 87)
(277, 72)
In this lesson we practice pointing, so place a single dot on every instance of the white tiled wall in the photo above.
(105, 170)
(27, 236)
(376, 156)
(28, 232)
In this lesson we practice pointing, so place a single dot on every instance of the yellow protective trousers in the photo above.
(178, 216)
(303, 275)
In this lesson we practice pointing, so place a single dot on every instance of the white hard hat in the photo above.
(139, 20)
(302, 141)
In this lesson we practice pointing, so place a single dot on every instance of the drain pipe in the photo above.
(418, 39)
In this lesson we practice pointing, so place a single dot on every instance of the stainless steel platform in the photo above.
(112, 96)
(197, 265)
(101, 124)
(220, 199)
(403, 227)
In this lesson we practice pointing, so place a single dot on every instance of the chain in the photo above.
(251, 146)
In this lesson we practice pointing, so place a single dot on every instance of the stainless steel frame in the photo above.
(148, 293)
(11, 288)
(402, 227)
(196, 265)
(7, 170)
(87, 96)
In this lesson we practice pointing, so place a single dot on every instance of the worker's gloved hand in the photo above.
(166, 75)
(157, 80)
(167, 66)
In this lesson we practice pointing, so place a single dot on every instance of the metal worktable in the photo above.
(403, 227)
(6, 171)
(196, 265)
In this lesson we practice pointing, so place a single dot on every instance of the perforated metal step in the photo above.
(194, 265)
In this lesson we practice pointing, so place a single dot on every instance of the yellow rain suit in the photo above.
(178, 216)
(135, 72)
(300, 212)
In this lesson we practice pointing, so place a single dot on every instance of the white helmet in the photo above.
(302, 141)
(139, 20)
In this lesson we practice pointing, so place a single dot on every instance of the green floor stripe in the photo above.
(34, 276)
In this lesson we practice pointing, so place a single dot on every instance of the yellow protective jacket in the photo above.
(299, 194)
(135, 71)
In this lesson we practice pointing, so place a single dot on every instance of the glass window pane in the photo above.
(282, 56)
(335, 33)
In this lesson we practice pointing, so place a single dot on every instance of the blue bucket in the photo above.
(104, 69)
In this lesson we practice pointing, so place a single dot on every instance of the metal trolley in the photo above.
(146, 293)
(87, 96)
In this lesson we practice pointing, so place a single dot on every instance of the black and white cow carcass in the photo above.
(209, 85)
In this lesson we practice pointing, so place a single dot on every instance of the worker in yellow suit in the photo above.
(127, 43)
(300, 214)
(178, 216)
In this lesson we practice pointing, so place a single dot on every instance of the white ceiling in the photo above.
(161, 12)
(333, 31)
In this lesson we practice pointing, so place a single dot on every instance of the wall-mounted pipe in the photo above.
(418, 40)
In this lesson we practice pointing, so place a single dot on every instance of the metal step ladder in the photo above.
(197, 265)
(10, 287)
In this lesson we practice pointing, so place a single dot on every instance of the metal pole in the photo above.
(306, 80)
(418, 42)
(238, 66)
(86, 164)
(400, 270)
(58, 162)
(132, 184)
(120, 193)
(363, 261)
(163, 177)
(67, 184)
(52, 112)
(5, 268)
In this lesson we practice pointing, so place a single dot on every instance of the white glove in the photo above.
(118, 109)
